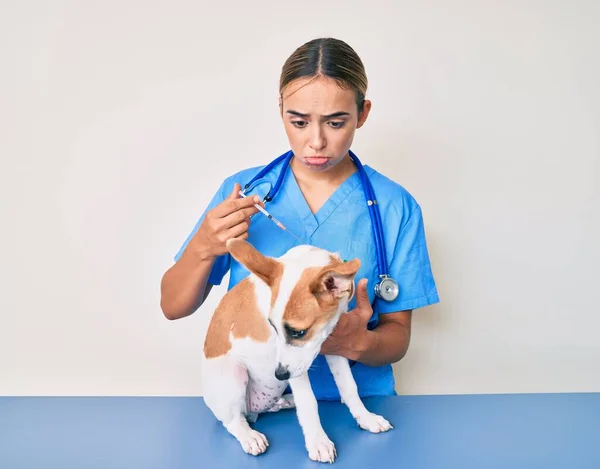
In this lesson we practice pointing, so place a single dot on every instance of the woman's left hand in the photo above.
(350, 337)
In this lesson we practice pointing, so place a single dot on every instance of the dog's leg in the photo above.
(225, 395)
(340, 368)
(319, 446)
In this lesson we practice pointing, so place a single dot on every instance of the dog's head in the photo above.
(309, 289)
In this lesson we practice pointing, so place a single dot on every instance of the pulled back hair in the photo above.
(327, 57)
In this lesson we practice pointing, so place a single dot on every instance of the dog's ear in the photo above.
(336, 279)
(265, 268)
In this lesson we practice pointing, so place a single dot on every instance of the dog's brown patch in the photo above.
(268, 269)
(316, 296)
(238, 314)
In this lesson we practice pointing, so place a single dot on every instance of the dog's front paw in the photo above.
(373, 423)
(253, 442)
(321, 449)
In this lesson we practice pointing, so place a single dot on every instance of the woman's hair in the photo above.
(327, 57)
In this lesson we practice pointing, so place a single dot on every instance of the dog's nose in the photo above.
(282, 373)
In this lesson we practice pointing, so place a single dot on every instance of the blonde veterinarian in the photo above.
(322, 195)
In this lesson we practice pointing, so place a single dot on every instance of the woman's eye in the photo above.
(295, 333)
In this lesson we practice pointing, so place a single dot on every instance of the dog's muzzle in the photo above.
(282, 373)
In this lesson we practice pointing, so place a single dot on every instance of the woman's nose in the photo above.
(317, 141)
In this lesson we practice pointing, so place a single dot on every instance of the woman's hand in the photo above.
(387, 343)
(350, 337)
(229, 219)
(184, 286)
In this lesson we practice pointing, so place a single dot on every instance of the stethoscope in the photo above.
(387, 288)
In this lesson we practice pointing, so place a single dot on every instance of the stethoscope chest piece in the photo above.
(387, 288)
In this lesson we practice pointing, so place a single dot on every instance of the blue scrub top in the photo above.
(341, 225)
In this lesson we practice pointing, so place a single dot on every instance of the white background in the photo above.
(119, 119)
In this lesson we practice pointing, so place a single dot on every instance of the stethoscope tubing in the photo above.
(372, 204)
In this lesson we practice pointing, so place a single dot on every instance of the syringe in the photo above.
(272, 218)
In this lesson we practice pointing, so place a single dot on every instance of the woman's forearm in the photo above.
(386, 344)
(184, 286)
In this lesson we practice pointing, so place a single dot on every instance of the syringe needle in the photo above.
(272, 218)
(280, 225)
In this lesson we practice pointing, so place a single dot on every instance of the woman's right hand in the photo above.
(229, 219)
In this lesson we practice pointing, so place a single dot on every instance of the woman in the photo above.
(321, 201)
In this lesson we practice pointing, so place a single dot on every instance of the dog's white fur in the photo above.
(241, 383)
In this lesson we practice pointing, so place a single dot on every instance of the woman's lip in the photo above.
(317, 160)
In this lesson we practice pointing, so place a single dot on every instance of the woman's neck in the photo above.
(317, 187)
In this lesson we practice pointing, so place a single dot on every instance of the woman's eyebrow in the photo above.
(328, 116)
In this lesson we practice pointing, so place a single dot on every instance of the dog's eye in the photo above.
(295, 333)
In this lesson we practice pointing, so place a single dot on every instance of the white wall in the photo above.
(119, 119)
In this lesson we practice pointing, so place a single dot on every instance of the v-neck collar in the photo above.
(312, 221)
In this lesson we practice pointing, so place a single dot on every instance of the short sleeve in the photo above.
(410, 266)
(222, 263)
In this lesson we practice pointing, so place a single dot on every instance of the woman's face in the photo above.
(320, 119)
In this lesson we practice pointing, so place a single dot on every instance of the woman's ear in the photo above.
(362, 116)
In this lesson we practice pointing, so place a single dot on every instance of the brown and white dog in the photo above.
(265, 333)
